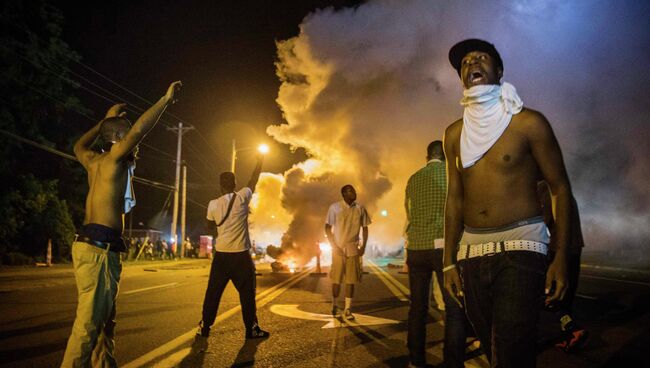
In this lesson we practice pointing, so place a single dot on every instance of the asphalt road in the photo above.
(159, 307)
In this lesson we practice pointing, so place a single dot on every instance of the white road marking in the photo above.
(616, 280)
(406, 291)
(586, 297)
(396, 290)
(148, 288)
(292, 311)
(173, 359)
(262, 299)
(478, 362)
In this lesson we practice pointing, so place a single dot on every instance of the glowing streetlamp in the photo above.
(263, 149)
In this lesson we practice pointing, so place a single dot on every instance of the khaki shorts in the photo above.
(345, 269)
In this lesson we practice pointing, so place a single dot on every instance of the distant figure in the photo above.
(227, 218)
(493, 223)
(107, 152)
(574, 336)
(172, 249)
(346, 217)
(160, 250)
(424, 202)
(187, 245)
(165, 250)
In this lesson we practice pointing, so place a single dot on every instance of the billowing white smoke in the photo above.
(365, 90)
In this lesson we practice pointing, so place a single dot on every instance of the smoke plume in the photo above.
(364, 91)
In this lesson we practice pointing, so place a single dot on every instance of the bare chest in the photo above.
(507, 156)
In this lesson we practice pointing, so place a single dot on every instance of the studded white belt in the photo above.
(491, 248)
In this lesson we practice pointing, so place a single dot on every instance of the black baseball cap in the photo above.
(459, 50)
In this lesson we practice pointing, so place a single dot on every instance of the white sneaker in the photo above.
(348, 315)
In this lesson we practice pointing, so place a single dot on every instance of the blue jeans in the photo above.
(504, 293)
(422, 264)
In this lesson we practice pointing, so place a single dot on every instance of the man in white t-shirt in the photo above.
(346, 217)
(232, 260)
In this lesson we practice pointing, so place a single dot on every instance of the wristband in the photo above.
(450, 267)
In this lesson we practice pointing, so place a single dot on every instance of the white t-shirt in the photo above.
(233, 233)
(347, 221)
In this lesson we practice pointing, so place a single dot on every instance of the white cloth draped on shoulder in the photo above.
(488, 111)
(129, 195)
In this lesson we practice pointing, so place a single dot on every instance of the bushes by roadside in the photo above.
(16, 259)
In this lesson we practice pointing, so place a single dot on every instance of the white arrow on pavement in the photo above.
(292, 311)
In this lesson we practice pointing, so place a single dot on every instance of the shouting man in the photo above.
(493, 223)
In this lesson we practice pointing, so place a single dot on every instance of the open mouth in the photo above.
(475, 77)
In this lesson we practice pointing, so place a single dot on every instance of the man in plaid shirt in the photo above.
(425, 206)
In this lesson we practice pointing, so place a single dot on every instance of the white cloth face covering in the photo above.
(488, 111)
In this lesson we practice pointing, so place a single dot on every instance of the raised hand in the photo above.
(171, 91)
(115, 111)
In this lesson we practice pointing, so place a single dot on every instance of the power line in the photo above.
(78, 84)
(158, 150)
(196, 203)
(73, 158)
(74, 83)
(92, 119)
(199, 155)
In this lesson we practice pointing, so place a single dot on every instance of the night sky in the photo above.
(222, 51)
(380, 89)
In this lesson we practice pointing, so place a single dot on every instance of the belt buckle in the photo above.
(489, 249)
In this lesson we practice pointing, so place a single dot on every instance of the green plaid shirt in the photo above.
(426, 192)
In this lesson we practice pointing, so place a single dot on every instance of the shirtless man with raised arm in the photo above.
(495, 237)
(107, 152)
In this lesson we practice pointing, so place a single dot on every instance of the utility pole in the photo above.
(180, 130)
(183, 207)
(233, 157)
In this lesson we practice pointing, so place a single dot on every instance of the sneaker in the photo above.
(257, 333)
(202, 330)
(348, 315)
(573, 340)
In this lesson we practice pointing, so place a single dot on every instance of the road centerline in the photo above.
(148, 288)
(261, 299)
(395, 289)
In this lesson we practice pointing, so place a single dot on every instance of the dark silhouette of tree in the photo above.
(41, 193)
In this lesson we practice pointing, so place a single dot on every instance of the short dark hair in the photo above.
(434, 149)
(459, 50)
(109, 131)
(346, 186)
(227, 180)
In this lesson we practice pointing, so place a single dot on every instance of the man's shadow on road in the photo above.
(196, 356)
(245, 356)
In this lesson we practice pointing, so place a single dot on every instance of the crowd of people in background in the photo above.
(148, 249)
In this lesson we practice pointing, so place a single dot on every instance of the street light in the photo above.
(262, 148)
